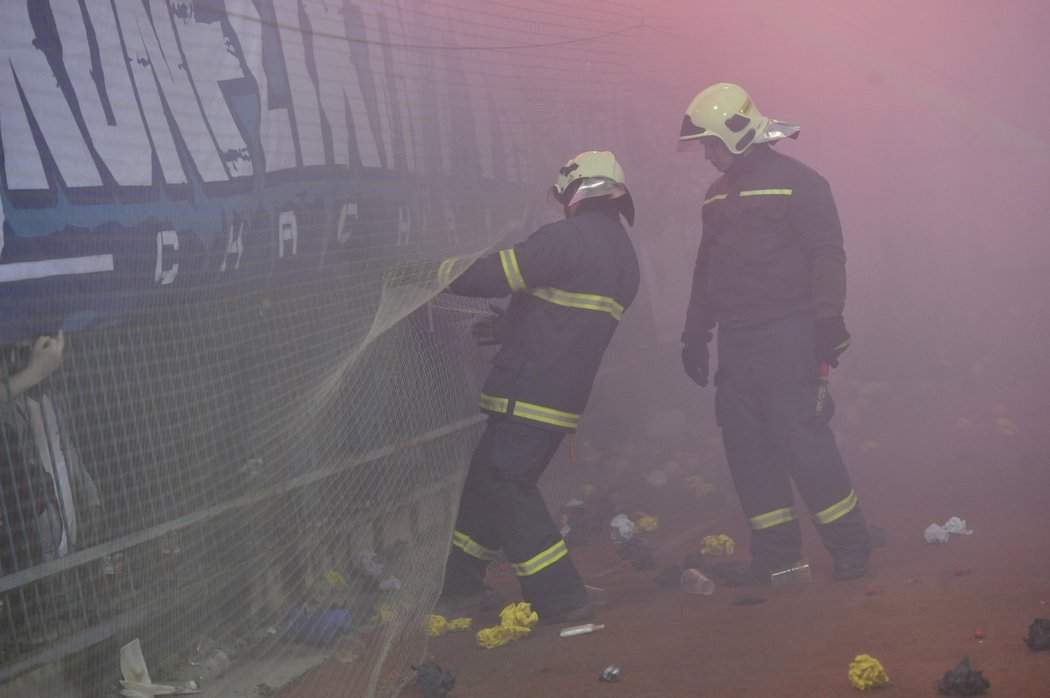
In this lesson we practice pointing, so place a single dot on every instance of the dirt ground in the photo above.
(914, 462)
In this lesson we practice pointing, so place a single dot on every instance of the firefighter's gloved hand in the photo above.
(696, 360)
(489, 330)
(832, 339)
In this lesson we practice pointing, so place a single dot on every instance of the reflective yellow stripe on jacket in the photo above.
(510, 269)
(527, 410)
(772, 518)
(584, 301)
(766, 192)
(545, 559)
(751, 192)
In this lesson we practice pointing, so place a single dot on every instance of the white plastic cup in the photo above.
(696, 582)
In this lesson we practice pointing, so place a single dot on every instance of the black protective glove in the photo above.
(832, 339)
(490, 329)
(696, 360)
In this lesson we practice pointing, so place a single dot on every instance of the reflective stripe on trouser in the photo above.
(542, 561)
(772, 518)
(501, 508)
(473, 548)
(765, 398)
(837, 510)
(527, 410)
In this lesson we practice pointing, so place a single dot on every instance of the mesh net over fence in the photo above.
(236, 213)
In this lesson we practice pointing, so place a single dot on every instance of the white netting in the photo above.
(236, 212)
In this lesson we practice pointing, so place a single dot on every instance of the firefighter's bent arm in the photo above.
(535, 263)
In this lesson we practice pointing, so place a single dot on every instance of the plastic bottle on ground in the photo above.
(580, 629)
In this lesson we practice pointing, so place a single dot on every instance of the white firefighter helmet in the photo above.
(593, 174)
(725, 111)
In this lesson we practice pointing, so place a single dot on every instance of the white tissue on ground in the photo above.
(935, 533)
(623, 527)
(957, 525)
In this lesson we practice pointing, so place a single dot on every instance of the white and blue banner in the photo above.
(148, 146)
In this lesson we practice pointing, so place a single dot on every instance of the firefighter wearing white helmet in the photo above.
(594, 174)
(770, 275)
(569, 284)
(725, 111)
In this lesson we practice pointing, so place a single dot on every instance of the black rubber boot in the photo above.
(849, 567)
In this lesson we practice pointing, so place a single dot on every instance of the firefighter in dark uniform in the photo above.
(569, 283)
(771, 274)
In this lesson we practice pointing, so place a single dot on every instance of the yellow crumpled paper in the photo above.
(519, 614)
(866, 672)
(717, 545)
(384, 612)
(671, 467)
(335, 579)
(648, 523)
(699, 486)
(516, 620)
(438, 625)
(500, 635)
(1004, 427)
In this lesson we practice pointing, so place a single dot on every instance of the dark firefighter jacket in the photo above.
(571, 281)
(771, 246)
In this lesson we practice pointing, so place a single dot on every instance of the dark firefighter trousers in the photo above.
(501, 507)
(766, 405)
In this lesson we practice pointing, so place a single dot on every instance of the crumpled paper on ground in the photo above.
(657, 479)
(384, 612)
(516, 620)
(623, 527)
(648, 523)
(1004, 427)
(963, 681)
(866, 672)
(369, 563)
(391, 583)
(434, 681)
(1039, 635)
(438, 625)
(717, 545)
(935, 533)
(699, 486)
